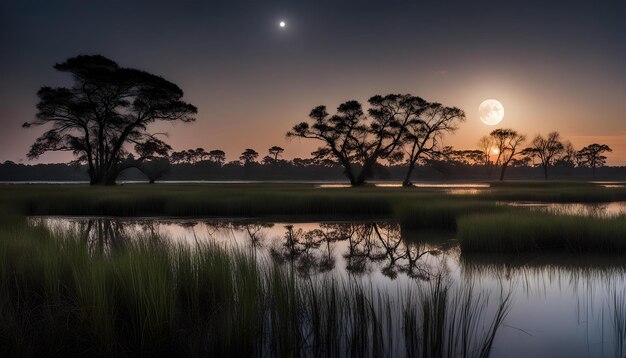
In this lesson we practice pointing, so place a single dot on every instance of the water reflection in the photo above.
(564, 305)
(449, 186)
(611, 209)
(561, 305)
(363, 248)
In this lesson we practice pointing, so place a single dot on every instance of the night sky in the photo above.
(554, 65)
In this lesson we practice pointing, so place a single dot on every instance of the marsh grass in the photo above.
(151, 297)
(549, 191)
(287, 199)
(524, 231)
(441, 214)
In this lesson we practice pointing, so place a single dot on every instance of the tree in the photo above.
(200, 154)
(423, 135)
(465, 157)
(178, 157)
(358, 140)
(267, 160)
(275, 152)
(546, 150)
(155, 168)
(217, 156)
(107, 108)
(592, 156)
(190, 156)
(485, 145)
(507, 142)
(568, 155)
(248, 156)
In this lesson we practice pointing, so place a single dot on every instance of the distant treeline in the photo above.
(305, 170)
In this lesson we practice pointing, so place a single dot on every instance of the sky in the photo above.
(554, 65)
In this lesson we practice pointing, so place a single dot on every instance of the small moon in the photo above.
(491, 112)
(282, 24)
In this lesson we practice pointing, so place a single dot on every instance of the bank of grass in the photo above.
(442, 214)
(552, 191)
(150, 297)
(526, 231)
(414, 207)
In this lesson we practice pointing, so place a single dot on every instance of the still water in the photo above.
(610, 209)
(561, 306)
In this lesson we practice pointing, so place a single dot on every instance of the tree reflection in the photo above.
(368, 244)
(102, 235)
(253, 230)
(366, 247)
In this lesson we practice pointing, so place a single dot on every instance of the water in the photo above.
(611, 209)
(561, 306)
(448, 188)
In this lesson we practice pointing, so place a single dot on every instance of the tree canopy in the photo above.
(107, 109)
(547, 150)
(507, 143)
(358, 139)
(592, 156)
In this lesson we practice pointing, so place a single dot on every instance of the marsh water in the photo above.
(611, 209)
(561, 306)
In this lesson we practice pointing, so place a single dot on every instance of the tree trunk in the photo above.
(545, 172)
(502, 172)
(367, 167)
(111, 176)
(348, 170)
(407, 178)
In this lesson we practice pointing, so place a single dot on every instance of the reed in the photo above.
(524, 231)
(148, 296)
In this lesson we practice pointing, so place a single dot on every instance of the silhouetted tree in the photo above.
(423, 134)
(356, 139)
(466, 157)
(568, 156)
(217, 156)
(507, 142)
(190, 156)
(106, 108)
(178, 157)
(275, 152)
(592, 156)
(155, 168)
(485, 145)
(248, 156)
(546, 150)
(200, 154)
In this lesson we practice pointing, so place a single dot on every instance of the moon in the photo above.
(491, 112)
(282, 24)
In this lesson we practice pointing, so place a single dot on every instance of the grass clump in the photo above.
(524, 231)
(441, 214)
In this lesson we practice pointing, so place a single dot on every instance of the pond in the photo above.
(560, 305)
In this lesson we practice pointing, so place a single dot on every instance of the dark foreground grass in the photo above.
(150, 297)
(523, 231)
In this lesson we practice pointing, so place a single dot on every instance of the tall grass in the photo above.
(524, 231)
(151, 297)
(441, 214)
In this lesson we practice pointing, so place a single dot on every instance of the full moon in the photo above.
(491, 112)
(282, 24)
